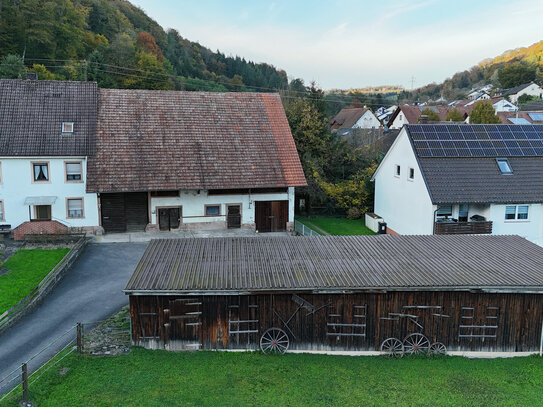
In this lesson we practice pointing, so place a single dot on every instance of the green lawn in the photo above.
(160, 378)
(339, 226)
(26, 269)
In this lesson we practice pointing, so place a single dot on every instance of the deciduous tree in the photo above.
(483, 112)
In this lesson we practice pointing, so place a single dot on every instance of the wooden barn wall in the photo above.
(461, 320)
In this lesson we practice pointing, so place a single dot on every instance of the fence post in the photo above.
(25, 382)
(79, 342)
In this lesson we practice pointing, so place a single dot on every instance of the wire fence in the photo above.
(97, 338)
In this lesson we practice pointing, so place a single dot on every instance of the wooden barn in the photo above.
(357, 293)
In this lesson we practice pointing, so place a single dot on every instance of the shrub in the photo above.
(353, 213)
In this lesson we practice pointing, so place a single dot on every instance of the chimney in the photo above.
(423, 119)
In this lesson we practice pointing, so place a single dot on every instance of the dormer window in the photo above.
(67, 127)
(504, 165)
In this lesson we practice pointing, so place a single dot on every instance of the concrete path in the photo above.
(179, 234)
(90, 291)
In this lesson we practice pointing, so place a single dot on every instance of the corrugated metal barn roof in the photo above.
(223, 265)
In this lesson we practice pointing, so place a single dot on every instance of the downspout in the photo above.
(541, 341)
(434, 225)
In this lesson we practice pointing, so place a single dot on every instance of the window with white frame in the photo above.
(411, 173)
(73, 171)
(67, 127)
(2, 214)
(75, 207)
(397, 171)
(516, 212)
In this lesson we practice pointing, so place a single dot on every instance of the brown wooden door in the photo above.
(124, 212)
(112, 209)
(271, 216)
(233, 216)
(168, 218)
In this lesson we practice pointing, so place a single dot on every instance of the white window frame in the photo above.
(397, 171)
(64, 125)
(516, 214)
(2, 211)
(411, 174)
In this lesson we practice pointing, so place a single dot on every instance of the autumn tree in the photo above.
(430, 114)
(516, 74)
(147, 42)
(454, 116)
(483, 112)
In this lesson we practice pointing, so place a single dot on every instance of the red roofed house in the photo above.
(356, 118)
(185, 160)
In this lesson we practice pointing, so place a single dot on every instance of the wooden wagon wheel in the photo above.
(392, 347)
(437, 348)
(274, 340)
(416, 343)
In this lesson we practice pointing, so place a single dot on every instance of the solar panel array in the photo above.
(536, 117)
(477, 140)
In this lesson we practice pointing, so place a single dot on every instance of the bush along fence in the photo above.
(99, 338)
(304, 230)
(12, 315)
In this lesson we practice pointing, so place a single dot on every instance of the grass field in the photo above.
(26, 269)
(338, 226)
(159, 378)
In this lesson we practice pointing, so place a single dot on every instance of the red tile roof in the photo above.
(163, 140)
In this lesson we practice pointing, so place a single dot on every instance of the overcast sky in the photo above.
(348, 43)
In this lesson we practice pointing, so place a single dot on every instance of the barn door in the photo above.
(185, 321)
(112, 209)
(168, 218)
(233, 216)
(271, 216)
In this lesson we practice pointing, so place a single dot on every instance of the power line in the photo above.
(160, 77)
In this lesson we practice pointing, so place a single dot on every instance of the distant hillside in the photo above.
(510, 69)
(118, 45)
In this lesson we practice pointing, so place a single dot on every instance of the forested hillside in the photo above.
(510, 69)
(118, 45)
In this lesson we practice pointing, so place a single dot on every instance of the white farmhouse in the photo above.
(171, 160)
(530, 89)
(457, 179)
(356, 118)
(47, 131)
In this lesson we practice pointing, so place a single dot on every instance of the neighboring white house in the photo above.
(530, 89)
(451, 179)
(47, 131)
(356, 118)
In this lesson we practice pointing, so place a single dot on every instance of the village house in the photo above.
(73, 157)
(530, 89)
(356, 118)
(395, 294)
(521, 117)
(406, 114)
(47, 133)
(168, 160)
(454, 179)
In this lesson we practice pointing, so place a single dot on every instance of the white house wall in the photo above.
(367, 121)
(531, 229)
(404, 204)
(399, 121)
(193, 205)
(532, 90)
(16, 185)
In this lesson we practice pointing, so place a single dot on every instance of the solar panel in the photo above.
(519, 120)
(536, 117)
(477, 140)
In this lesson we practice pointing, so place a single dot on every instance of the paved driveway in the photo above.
(90, 291)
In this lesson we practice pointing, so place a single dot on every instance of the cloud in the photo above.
(355, 53)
